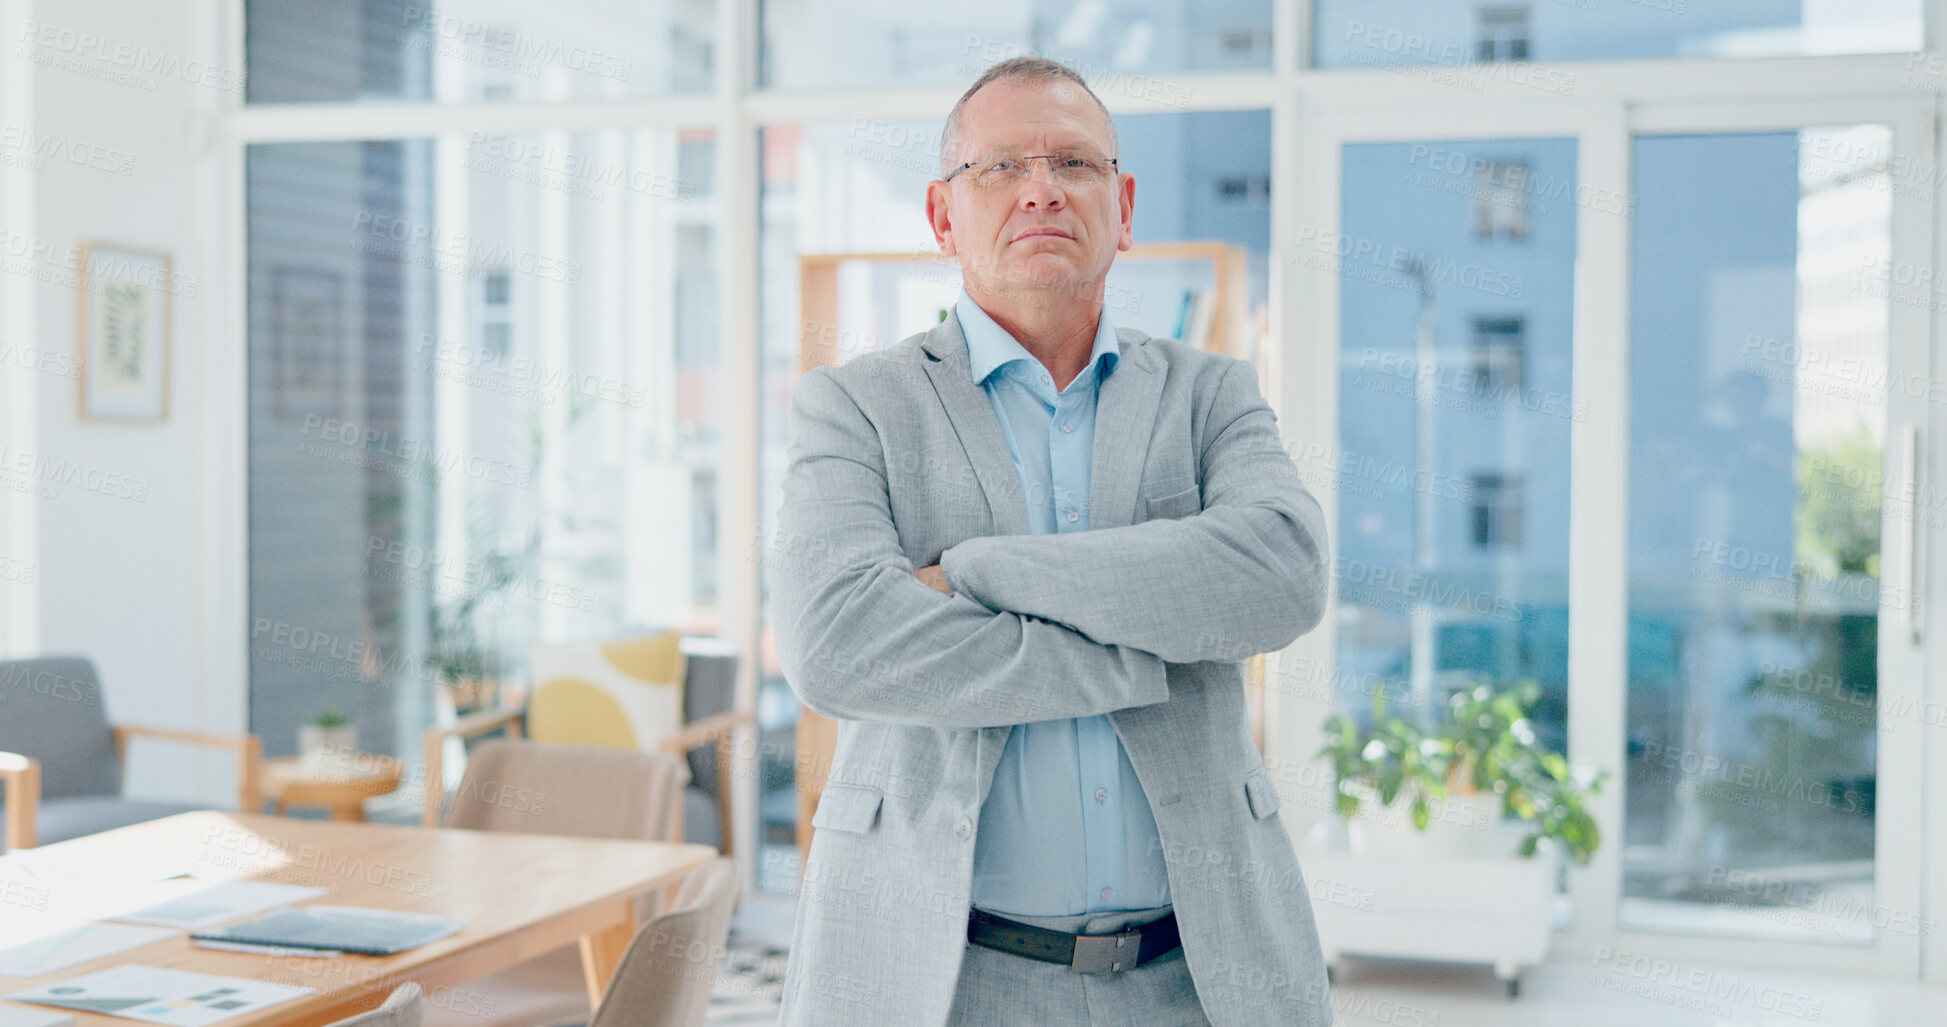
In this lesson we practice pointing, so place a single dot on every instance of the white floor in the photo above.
(1371, 992)
(1374, 992)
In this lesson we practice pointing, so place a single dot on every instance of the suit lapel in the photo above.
(1125, 420)
(972, 416)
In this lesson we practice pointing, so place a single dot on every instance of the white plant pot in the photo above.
(1470, 826)
(1458, 826)
(321, 747)
(1461, 908)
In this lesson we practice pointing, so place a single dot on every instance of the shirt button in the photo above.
(1045, 380)
(963, 828)
(1105, 893)
(1069, 426)
(1074, 515)
(1101, 795)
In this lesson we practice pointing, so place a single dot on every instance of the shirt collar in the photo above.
(989, 346)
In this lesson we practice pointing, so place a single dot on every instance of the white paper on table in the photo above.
(32, 946)
(154, 994)
(14, 1015)
(98, 866)
(194, 904)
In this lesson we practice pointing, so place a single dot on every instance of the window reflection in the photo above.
(1757, 440)
(480, 410)
(1455, 417)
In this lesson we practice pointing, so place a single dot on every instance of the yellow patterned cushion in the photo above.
(626, 694)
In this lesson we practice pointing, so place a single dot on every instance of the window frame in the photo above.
(1313, 113)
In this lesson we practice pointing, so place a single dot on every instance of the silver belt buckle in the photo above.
(1106, 953)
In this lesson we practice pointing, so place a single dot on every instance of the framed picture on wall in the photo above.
(122, 328)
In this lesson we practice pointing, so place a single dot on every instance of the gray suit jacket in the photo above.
(1204, 549)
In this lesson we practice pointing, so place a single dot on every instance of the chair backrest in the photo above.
(587, 791)
(709, 687)
(582, 790)
(403, 1008)
(667, 972)
(627, 693)
(52, 709)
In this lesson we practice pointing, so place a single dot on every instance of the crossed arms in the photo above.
(1037, 627)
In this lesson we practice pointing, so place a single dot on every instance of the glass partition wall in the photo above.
(1604, 333)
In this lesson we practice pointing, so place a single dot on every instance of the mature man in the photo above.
(1045, 807)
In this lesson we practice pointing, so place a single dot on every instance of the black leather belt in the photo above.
(1082, 953)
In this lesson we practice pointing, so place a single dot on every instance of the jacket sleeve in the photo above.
(861, 638)
(1246, 575)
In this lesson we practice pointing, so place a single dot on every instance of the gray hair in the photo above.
(1030, 69)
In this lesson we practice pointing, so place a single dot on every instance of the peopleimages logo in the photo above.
(518, 44)
(134, 65)
(406, 450)
(42, 147)
(36, 469)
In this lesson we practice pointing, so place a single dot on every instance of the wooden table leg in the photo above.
(601, 953)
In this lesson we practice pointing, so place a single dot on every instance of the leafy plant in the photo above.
(330, 719)
(463, 647)
(1483, 744)
(465, 650)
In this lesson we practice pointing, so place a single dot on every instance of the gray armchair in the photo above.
(709, 710)
(61, 760)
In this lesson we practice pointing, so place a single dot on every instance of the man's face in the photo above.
(1041, 233)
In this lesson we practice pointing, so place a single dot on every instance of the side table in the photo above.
(341, 785)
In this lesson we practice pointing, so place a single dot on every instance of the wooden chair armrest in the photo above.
(20, 785)
(479, 723)
(249, 749)
(712, 728)
(465, 727)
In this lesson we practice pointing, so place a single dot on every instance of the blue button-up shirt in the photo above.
(1066, 827)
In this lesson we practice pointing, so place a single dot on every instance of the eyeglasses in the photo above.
(1067, 168)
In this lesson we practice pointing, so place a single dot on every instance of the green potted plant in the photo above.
(330, 732)
(1471, 781)
(463, 662)
(1482, 750)
(466, 653)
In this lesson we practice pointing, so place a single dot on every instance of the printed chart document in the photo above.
(154, 994)
(33, 945)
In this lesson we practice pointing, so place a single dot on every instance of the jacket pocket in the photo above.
(845, 807)
(1176, 504)
(1260, 793)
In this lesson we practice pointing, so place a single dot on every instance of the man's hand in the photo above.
(934, 576)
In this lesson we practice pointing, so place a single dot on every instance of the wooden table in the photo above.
(341, 787)
(520, 894)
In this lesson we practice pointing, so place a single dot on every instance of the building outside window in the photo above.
(1503, 34)
(1496, 514)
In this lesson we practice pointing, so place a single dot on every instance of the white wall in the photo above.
(126, 571)
(19, 389)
